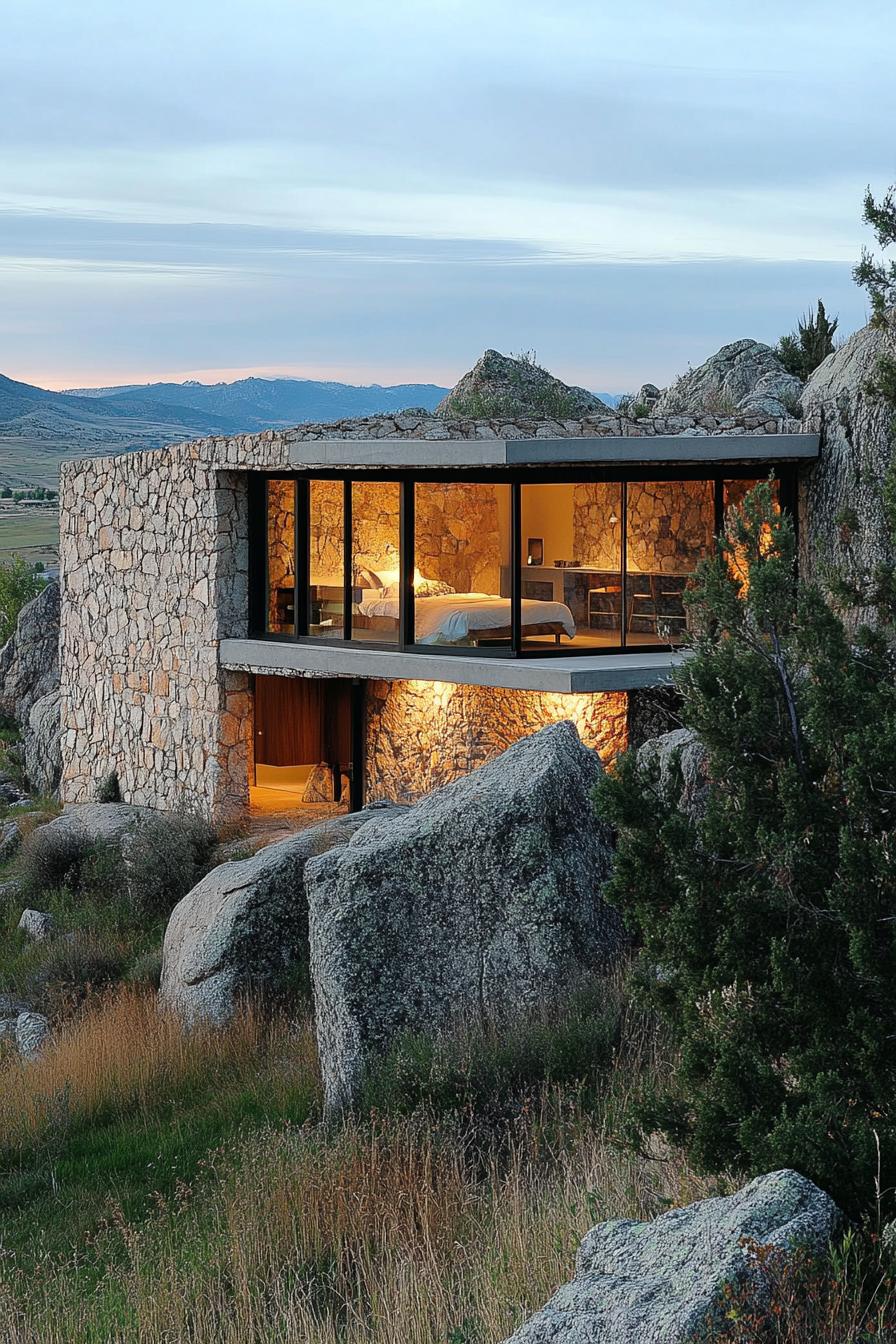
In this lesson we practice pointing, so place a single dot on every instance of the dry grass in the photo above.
(419, 1229)
(121, 1055)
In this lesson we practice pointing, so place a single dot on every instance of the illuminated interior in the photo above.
(601, 565)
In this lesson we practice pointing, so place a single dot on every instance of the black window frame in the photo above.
(717, 473)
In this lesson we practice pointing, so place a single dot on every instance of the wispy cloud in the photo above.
(369, 187)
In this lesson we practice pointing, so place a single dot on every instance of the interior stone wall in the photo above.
(597, 539)
(422, 735)
(281, 523)
(670, 525)
(457, 527)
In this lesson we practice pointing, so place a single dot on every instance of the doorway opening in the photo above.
(307, 739)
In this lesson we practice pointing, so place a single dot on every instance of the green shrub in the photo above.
(803, 350)
(773, 916)
(18, 585)
(165, 857)
(52, 860)
(108, 789)
(146, 968)
(493, 1072)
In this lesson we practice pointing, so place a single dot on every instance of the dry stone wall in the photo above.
(154, 574)
(422, 735)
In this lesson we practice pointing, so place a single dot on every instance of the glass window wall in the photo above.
(571, 580)
(670, 527)
(281, 558)
(326, 560)
(462, 563)
(376, 569)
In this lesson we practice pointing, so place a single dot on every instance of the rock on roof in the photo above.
(500, 385)
(743, 376)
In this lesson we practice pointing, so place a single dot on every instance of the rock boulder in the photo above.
(244, 924)
(32, 1032)
(499, 385)
(42, 744)
(29, 660)
(664, 1282)
(681, 745)
(743, 376)
(857, 445)
(480, 903)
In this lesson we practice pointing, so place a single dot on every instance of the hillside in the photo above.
(40, 428)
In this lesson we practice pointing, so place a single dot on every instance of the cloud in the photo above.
(297, 178)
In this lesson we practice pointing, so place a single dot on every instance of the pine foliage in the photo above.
(802, 350)
(768, 926)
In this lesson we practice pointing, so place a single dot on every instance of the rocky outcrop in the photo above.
(745, 376)
(94, 824)
(664, 1282)
(501, 385)
(857, 445)
(42, 744)
(29, 660)
(477, 905)
(681, 748)
(244, 924)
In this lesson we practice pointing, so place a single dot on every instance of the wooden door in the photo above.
(289, 721)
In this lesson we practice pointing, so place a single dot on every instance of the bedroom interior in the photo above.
(603, 565)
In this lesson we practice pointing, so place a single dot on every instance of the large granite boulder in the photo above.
(744, 376)
(499, 385)
(681, 748)
(95, 824)
(479, 904)
(244, 924)
(29, 660)
(857, 445)
(664, 1282)
(42, 744)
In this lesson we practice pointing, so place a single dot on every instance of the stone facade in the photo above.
(154, 574)
(424, 734)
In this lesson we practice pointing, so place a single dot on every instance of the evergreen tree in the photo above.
(768, 926)
(18, 584)
(803, 350)
(877, 275)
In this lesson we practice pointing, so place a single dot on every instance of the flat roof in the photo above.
(571, 674)
(688, 449)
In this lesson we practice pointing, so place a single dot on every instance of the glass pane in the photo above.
(327, 559)
(462, 560)
(571, 582)
(375, 560)
(281, 523)
(670, 529)
(733, 495)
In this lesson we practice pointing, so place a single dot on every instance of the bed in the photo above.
(466, 618)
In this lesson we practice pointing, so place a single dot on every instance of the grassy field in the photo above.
(30, 532)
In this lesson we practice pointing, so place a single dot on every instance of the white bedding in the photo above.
(453, 618)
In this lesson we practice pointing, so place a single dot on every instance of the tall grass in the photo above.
(412, 1227)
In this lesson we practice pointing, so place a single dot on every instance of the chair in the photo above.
(605, 604)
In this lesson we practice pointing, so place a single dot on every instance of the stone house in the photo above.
(367, 609)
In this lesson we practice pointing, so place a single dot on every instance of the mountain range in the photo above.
(40, 428)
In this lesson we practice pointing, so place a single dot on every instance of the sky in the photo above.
(377, 192)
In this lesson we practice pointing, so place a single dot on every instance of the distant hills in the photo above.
(39, 428)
